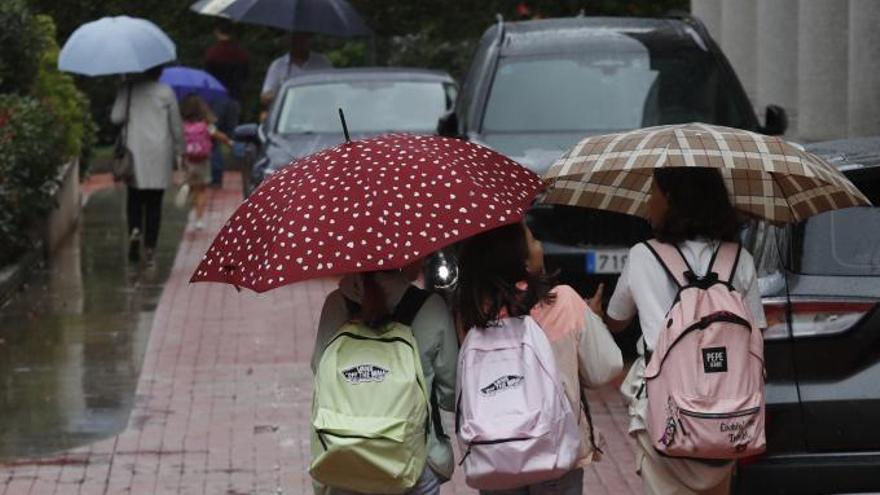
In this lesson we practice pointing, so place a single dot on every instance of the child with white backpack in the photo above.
(696, 394)
(522, 418)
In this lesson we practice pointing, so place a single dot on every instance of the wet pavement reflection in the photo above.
(72, 342)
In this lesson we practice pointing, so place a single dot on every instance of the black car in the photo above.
(535, 88)
(304, 118)
(823, 369)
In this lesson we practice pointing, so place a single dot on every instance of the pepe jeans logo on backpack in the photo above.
(715, 359)
(503, 383)
(364, 373)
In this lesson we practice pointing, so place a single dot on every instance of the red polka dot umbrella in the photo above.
(373, 204)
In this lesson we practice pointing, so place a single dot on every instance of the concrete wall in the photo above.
(63, 218)
(818, 59)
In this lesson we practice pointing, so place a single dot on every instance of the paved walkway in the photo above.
(224, 396)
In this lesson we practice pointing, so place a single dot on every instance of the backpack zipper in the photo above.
(489, 442)
(706, 415)
(704, 323)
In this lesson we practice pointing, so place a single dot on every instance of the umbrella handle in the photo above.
(344, 126)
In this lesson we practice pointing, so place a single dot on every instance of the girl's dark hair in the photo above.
(490, 266)
(699, 205)
(373, 308)
(193, 108)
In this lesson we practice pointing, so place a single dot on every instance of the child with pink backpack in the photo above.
(199, 132)
(696, 393)
(522, 417)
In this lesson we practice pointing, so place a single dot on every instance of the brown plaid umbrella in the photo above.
(766, 176)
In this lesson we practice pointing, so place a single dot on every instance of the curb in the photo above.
(13, 276)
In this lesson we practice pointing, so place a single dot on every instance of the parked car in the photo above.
(304, 118)
(823, 369)
(535, 88)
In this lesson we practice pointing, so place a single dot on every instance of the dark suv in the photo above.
(535, 88)
(823, 369)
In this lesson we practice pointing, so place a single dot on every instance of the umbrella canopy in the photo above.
(116, 45)
(374, 204)
(766, 176)
(333, 17)
(186, 80)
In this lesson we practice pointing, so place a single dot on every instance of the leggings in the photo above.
(145, 213)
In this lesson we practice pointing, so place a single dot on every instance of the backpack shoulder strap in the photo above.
(410, 304)
(671, 259)
(725, 261)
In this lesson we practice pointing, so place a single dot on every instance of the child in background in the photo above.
(200, 133)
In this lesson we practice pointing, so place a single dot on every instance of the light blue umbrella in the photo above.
(116, 45)
(333, 17)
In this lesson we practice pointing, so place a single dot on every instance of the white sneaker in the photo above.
(200, 225)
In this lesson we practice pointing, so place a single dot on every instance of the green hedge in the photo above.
(31, 148)
(44, 122)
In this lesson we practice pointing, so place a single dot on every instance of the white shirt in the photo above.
(645, 288)
(282, 69)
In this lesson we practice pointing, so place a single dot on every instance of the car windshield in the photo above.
(369, 106)
(842, 242)
(608, 90)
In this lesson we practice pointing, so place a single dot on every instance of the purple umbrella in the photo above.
(186, 80)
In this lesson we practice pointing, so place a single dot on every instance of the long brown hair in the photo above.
(492, 265)
(374, 306)
(699, 205)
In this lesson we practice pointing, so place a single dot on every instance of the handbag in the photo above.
(123, 160)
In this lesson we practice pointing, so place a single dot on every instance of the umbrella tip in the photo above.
(344, 126)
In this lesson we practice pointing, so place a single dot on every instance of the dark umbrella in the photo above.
(333, 17)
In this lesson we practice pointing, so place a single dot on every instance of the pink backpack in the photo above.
(198, 141)
(514, 423)
(705, 379)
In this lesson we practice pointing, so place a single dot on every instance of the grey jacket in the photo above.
(155, 131)
(435, 336)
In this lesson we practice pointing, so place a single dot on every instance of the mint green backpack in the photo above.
(370, 409)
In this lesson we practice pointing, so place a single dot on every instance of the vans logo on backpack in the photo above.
(503, 383)
(715, 359)
(364, 373)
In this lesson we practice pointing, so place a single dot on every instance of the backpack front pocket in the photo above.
(730, 428)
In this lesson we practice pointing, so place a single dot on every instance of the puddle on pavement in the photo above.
(72, 342)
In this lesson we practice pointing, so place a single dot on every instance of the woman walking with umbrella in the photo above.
(154, 136)
(151, 140)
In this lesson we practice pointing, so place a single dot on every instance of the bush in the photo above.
(30, 150)
(59, 94)
(20, 47)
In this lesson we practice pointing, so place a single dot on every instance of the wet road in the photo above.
(72, 343)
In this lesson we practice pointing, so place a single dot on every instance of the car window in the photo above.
(767, 244)
(608, 90)
(842, 242)
(369, 106)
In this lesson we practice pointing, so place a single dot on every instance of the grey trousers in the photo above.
(570, 484)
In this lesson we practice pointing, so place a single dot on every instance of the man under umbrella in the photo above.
(301, 58)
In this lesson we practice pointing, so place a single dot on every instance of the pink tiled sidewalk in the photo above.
(223, 398)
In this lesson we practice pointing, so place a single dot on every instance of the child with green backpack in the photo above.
(384, 362)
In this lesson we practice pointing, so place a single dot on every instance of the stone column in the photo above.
(709, 11)
(864, 68)
(822, 69)
(777, 56)
(738, 29)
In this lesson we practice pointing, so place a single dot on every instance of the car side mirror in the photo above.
(447, 125)
(247, 133)
(775, 121)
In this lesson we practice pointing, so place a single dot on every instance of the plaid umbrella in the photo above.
(373, 204)
(767, 177)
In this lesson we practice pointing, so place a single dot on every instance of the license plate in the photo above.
(606, 260)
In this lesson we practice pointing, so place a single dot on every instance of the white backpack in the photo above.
(514, 423)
